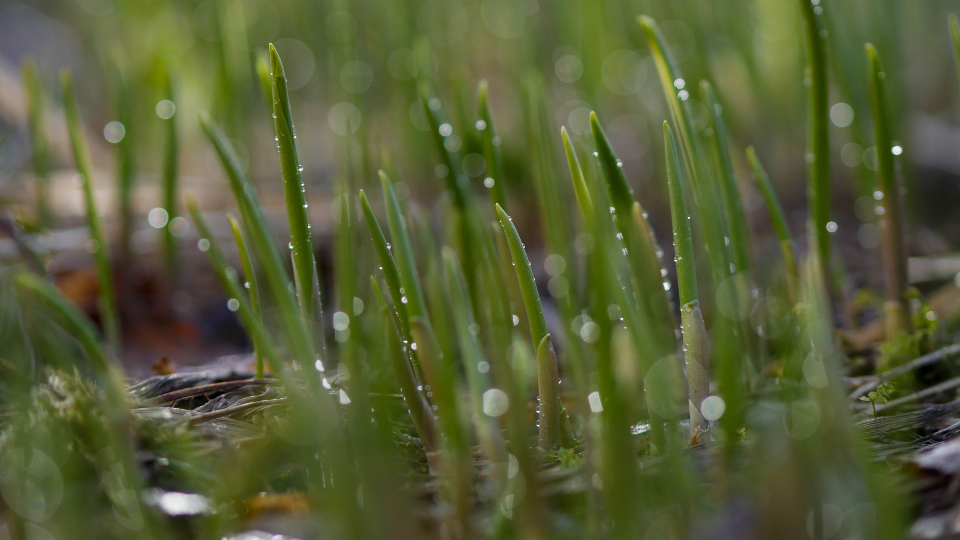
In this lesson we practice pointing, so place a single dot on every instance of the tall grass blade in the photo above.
(294, 192)
(896, 311)
(126, 158)
(705, 197)
(695, 351)
(642, 250)
(818, 134)
(490, 142)
(736, 219)
(264, 248)
(98, 244)
(779, 220)
(250, 281)
(387, 264)
(170, 174)
(239, 301)
(488, 403)
(398, 351)
(39, 145)
(547, 370)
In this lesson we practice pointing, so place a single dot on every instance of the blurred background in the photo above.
(352, 71)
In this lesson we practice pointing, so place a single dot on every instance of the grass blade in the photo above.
(387, 263)
(100, 247)
(171, 155)
(490, 143)
(227, 275)
(896, 312)
(548, 378)
(397, 351)
(488, 403)
(250, 281)
(732, 205)
(294, 192)
(779, 220)
(705, 198)
(818, 135)
(40, 147)
(126, 157)
(696, 354)
(262, 241)
(642, 250)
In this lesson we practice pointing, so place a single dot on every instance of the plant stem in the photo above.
(250, 282)
(98, 245)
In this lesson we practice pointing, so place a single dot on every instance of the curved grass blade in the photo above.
(548, 379)
(294, 192)
(227, 275)
(387, 263)
(39, 145)
(250, 281)
(705, 197)
(778, 219)
(580, 189)
(491, 148)
(732, 205)
(101, 250)
(818, 135)
(420, 413)
(696, 355)
(896, 311)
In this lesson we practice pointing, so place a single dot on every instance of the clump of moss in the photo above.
(907, 346)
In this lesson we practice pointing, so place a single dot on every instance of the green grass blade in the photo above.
(706, 199)
(264, 78)
(488, 403)
(39, 146)
(580, 189)
(777, 217)
(642, 251)
(491, 148)
(101, 249)
(548, 380)
(227, 275)
(695, 351)
(897, 313)
(294, 192)
(411, 293)
(732, 204)
(818, 134)
(126, 157)
(250, 281)
(440, 129)
(171, 157)
(387, 263)
(398, 352)
(262, 241)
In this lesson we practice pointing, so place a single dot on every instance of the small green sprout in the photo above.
(880, 395)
